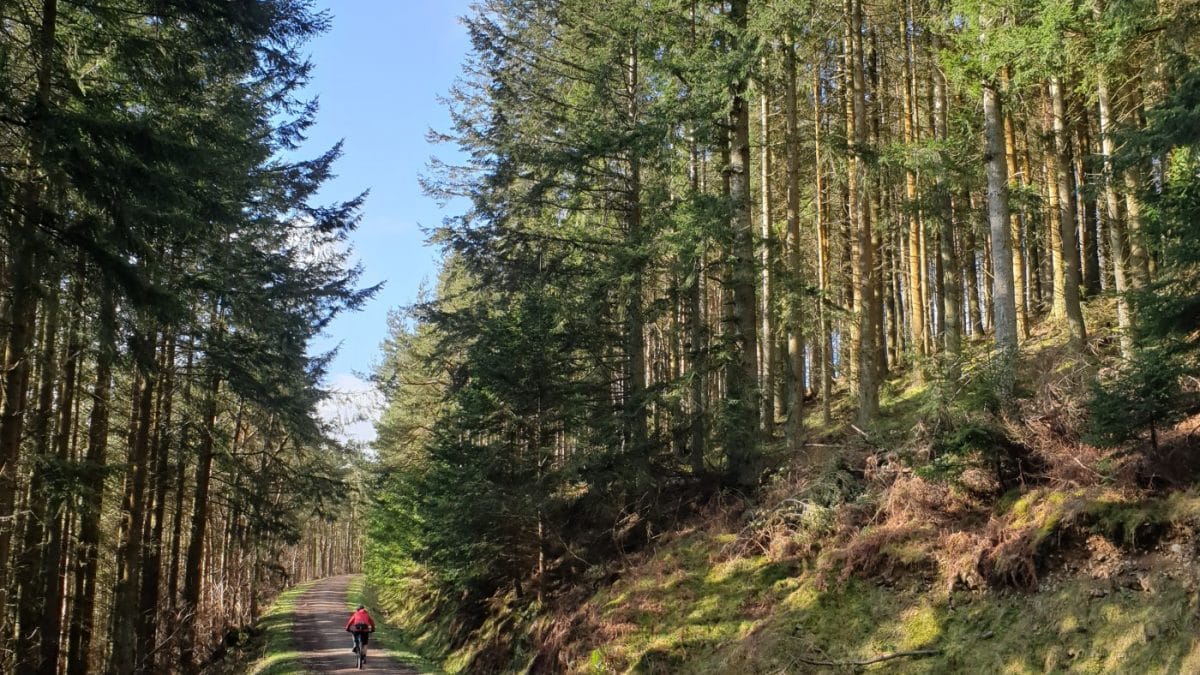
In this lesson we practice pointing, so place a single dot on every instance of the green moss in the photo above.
(752, 615)
(1124, 522)
(920, 627)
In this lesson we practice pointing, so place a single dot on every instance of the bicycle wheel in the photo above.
(362, 655)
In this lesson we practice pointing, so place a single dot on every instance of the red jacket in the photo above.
(358, 617)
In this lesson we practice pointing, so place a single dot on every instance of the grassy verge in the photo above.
(388, 639)
(278, 656)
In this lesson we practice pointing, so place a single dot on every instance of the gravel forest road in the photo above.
(318, 632)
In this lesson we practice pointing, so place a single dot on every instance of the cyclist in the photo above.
(361, 625)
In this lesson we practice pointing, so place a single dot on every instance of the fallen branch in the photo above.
(877, 659)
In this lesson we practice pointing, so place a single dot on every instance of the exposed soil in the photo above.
(319, 633)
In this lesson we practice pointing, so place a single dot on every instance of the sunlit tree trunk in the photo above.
(1003, 294)
(1066, 220)
(1117, 248)
(862, 336)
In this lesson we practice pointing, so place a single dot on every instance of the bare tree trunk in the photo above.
(970, 268)
(1003, 294)
(1139, 259)
(31, 590)
(823, 286)
(795, 339)
(21, 317)
(1010, 155)
(181, 467)
(863, 333)
(194, 567)
(635, 348)
(1117, 250)
(150, 618)
(53, 561)
(126, 651)
(1087, 213)
(83, 616)
(742, 437)
(951, 284)
(697, 349)
(916, 297)
(1066, 206)
(766, 260)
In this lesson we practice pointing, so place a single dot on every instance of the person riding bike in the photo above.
(361, 625)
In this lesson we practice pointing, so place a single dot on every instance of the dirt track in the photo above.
(319, 633)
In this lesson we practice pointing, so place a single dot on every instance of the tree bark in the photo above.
(767, 285)
(1010, 156)
(1066, 206)
(21, 317)
(795, 339)
(1003, 293)
(31, 591)
(126, 653)
(1117, 249)
(194, 566)
(916, 297)
(862, 337)
(93, 469)
(742, 435)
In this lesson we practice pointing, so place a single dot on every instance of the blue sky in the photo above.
(379, 72)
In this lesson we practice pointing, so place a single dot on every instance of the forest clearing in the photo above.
(763, 336)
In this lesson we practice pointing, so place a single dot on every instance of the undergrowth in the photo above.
(979, 532)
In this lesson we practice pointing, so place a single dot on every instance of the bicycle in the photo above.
(360, 647)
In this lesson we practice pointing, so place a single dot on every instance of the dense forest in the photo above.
(858, 289)
(702, 241)
(165, 264)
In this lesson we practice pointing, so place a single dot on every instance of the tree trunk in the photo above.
(1066, 207)
(1010, 156)
(126, 652)
(916, 297)
(697, 347)
(31, 590)
(53, 561)
(795, 339)
(741, 443)
(21, 315)
(823, 286)
(149, 615)
(862, 337)
(1087, 214)
(766, 261)
(635, 348)
(951, 284)
(194, 567)
(1003, 293)
(92, 472)
(1117, 250)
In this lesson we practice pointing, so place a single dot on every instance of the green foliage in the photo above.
(1144, 394)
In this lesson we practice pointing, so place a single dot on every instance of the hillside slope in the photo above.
(948, 539)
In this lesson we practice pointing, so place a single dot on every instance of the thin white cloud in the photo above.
(352, 408)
